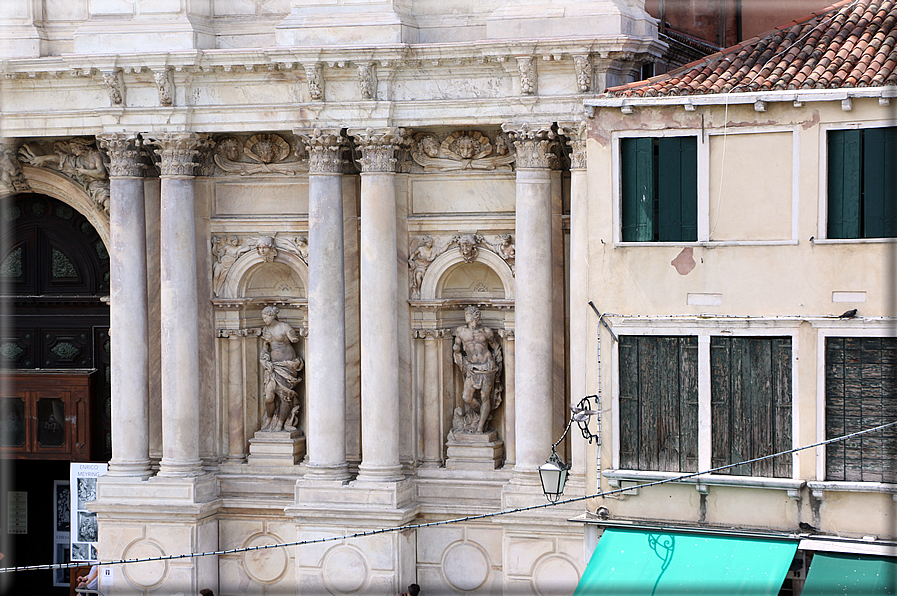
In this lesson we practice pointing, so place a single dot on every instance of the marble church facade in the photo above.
(371, 169)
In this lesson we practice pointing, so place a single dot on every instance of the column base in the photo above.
(338, 473)
(371, 473)
(474, 451)
(280, 448)
(139, 469)
(180, 469)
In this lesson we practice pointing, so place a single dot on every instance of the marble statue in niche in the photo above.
(419, 262)
(281, 367)
(477, 353)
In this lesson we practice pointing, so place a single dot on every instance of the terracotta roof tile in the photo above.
(852, 43)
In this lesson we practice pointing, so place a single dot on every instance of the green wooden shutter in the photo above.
(637, 186)
(879, 182)
(677, 189)
(844, 183)
(751, 404)
(629, 389)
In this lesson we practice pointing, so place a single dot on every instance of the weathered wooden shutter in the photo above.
(860, 393)
(637, 186)
(659, 403)
(677, 189)
(879, 182)
(750, 404)
(844, 183)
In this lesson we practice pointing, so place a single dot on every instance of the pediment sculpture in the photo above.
(461, 150)
(79, 160)
(423, 250)
(265, 153)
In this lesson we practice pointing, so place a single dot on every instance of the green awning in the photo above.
(655, 563)
(848, 575)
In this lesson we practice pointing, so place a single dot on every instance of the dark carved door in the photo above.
(54, 277)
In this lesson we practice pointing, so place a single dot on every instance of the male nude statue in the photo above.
(477, 352)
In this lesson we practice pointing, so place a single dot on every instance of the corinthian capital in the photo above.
(533, 143)
(324, 147)
(125, 157)
(575, 132)
(378, 148)
(177, 152)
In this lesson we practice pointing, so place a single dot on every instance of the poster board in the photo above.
(62, 519)
(84, 531)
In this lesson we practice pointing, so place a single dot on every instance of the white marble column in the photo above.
(232, 344)
(379, 316)
(579, 274)
(128, 307)
(533, 290)
(326, 355)
(180, 309)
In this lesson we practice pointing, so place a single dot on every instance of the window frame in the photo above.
(704, 329)
(822, 222)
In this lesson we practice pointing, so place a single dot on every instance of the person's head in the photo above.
(266, 248)
(472, 314)
(270, 313)
(413, 590)
(206, 592)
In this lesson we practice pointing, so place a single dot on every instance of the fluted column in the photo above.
(379, 296)
(533, 288)
(180, 309)
(128, 307)
(325, 375)
(579, 271)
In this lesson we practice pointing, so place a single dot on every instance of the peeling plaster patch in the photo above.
(685, 262)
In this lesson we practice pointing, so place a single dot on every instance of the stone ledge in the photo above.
(615, 479)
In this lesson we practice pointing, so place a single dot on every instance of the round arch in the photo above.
(237, 277)
(54, 184)
(447, 260)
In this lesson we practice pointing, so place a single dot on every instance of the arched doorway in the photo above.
(55, 404)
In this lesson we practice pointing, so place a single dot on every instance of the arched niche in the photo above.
(475, 281)
(251, 276)
(448, 267)
(54, 184)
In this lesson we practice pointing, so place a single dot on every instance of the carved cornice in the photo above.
(238, 333)
(575, 132)
(12, 179)
(378, 148)
(430, 333)
(324, 148)
(125, 156)
(534, 144)
(177, 151)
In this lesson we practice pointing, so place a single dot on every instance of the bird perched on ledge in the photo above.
(849, 314)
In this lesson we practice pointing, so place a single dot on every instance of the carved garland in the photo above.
(461, 150)
(226, 249)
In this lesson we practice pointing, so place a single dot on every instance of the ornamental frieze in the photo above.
(228, 248)
(263, 153)
(461, 150)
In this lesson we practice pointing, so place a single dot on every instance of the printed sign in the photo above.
(62, 515)
(84, 523)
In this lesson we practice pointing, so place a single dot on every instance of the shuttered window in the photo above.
(659, 403)
(750, 404)
(659, 187)
(862, 183)
(860, 393)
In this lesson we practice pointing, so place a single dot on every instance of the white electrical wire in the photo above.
(448, 521)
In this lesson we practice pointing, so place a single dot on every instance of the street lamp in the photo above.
(553, 473)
